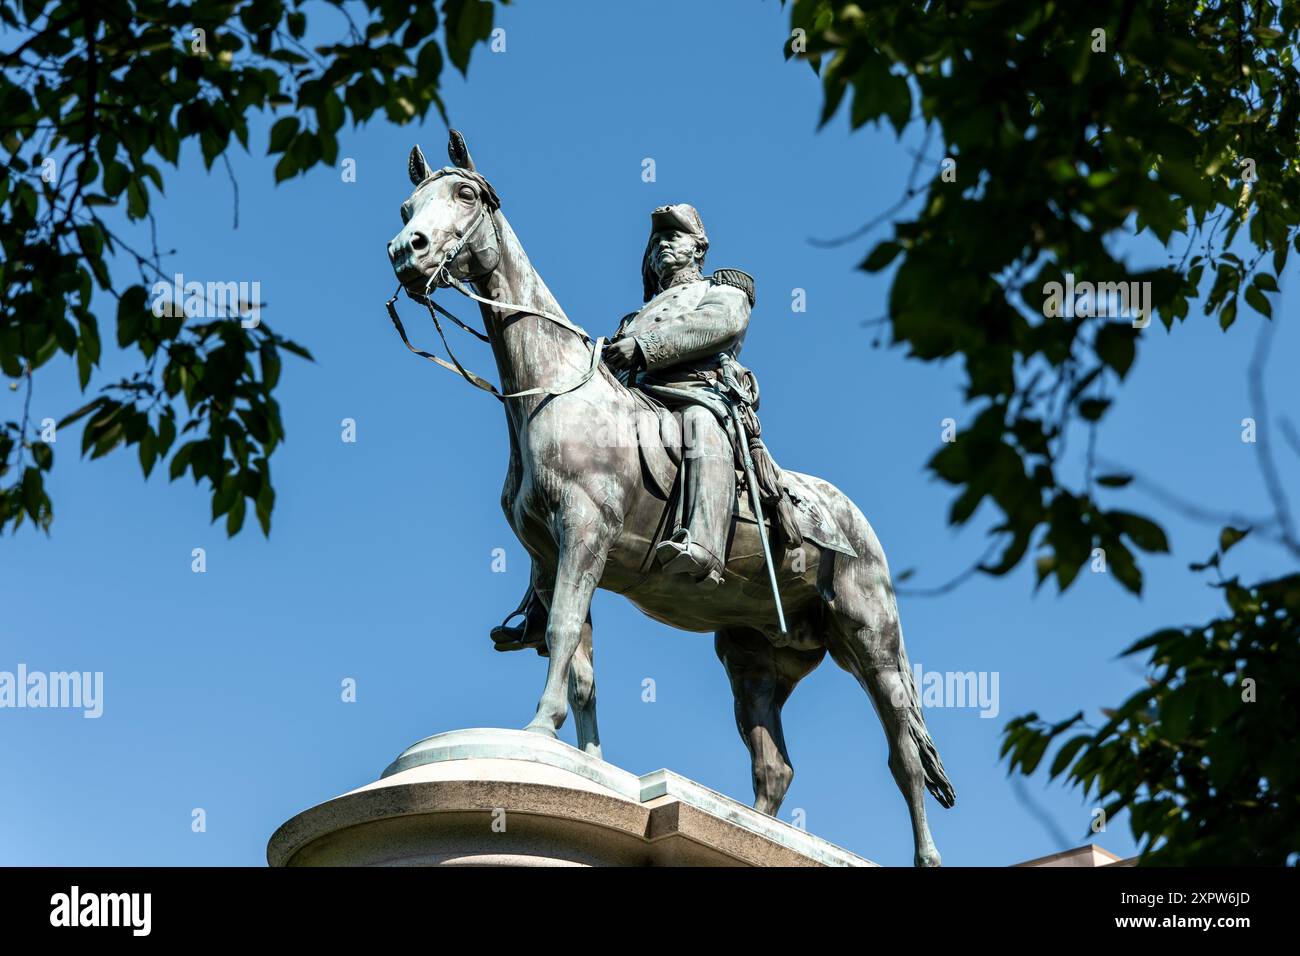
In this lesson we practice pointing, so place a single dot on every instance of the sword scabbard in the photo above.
(757, 505)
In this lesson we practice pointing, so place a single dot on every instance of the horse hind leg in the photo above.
(582, 693)
(867, 641)
(762, 677)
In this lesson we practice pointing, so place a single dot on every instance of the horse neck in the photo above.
(530, 351)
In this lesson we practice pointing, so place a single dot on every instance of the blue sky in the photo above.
(222, 690)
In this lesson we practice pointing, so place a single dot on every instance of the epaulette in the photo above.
(740, 280)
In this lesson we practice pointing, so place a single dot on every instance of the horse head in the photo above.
(450, 223)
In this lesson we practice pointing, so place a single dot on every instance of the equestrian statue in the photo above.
(637, 466)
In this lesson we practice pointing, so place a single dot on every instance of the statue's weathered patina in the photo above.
(623, 476)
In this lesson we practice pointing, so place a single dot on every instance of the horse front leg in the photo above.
(581, 563)
(582, 694)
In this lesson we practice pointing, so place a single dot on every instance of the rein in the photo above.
(426, 299)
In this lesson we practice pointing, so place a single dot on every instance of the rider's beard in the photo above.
(686, 272)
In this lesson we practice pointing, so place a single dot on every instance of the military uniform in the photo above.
(681, 335)
(683, 328)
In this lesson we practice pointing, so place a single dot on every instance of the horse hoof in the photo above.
(543, 730)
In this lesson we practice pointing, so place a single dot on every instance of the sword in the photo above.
(754, 502)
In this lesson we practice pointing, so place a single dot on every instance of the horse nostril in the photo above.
(419, 241)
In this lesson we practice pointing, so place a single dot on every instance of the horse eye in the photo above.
(467, 193)
(406, 215)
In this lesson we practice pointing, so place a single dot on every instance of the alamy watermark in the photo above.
(957, 689)
(1089, 299)
(133, 911)
(73, 690)
(213, 300)
(630, 432)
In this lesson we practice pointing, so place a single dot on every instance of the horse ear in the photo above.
(417, 167)
(458, 151)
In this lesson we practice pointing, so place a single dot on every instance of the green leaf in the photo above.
(1255, 299)
(1091, 409)
(881, 256)
(1143, 532)
(282, 133)
(1067, 753)
(265, 504)
(137, 199)
(166, 433)
(131, 315)
(148, 452)
(468, 21)
(285, 168)
(167, 142)
(116, 178)
(1120, 563)
(329, 112)
(235, 518)
(1231, 536)
(270, 364)
(1228, 314)
(83, 411)
(1176, 713)
(181, 460)
(1116, 345)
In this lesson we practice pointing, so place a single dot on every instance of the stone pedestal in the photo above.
(492, 797)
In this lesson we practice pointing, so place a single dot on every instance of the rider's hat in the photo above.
(680, 217)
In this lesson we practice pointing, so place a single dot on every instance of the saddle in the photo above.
(659, 442)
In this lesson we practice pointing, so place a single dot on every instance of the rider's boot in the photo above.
(697, 548)
(682, 555)
(530, 633)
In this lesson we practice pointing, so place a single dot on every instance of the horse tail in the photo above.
(936, 779)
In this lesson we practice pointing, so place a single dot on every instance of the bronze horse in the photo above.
(588, 518)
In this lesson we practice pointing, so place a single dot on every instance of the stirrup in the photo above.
(676, 557)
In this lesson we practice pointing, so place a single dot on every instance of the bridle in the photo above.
(442, 277)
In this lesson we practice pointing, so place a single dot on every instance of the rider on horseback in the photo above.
(673, 350)
(680, 349)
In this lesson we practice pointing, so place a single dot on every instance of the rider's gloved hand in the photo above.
(622, 354)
